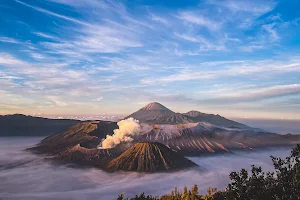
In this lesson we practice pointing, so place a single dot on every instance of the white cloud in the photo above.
(110, 49)
(80, 3)
(247, 69)
(158, 19)
(7, 59)
(271, 30)
(253, 6)
(53, 13)
(56, 100)
(204, 44)
(44, 35)
(99, 99)
(192, 17)
(9, 40)
(252, 47)
(104, 37)
(257, 94)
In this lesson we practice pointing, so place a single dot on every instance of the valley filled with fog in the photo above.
(24, 175)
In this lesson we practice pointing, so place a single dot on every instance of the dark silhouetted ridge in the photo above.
(23, 125)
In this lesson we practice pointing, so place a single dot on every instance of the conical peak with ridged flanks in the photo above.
(155, 113)
(155, 106)
(149, 157)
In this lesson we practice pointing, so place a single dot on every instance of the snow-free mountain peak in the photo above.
(155, 113)
(156, 106)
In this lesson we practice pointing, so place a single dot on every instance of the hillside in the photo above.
(86, 134)
(202, 137)
(149, 157)
(218, 120)
(22, 125)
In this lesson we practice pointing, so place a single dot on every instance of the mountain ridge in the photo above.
(26, 125)
(156, 113)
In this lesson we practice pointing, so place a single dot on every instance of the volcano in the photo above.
(155, 113)
(149, 157)
(164, 137)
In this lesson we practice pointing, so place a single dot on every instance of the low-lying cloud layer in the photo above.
(30, 177)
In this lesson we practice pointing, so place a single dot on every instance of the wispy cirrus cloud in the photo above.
(44, 35)
(9, 40)
(254, 6)
(256, 94)
(200, 73)
(88, 37)
(89, 53)
(193, 18)
(205, 45)
(79, 3)
(158, 19)
(45, 11)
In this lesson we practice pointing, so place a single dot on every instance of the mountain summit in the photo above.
(156, 106)
(155, 113)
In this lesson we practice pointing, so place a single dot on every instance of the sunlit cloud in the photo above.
(94, 53)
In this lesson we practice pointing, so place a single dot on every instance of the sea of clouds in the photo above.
(26, 176)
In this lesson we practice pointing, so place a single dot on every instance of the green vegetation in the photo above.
(282, 184)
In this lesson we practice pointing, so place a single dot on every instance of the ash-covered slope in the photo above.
(203, 137)
(84, 135)
(149, 157)
(22, 125)
(155, 113)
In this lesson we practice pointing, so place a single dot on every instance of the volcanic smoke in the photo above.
(127, 129)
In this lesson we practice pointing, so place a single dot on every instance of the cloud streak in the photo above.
(193, 18)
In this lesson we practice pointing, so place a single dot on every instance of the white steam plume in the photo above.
(127, 128)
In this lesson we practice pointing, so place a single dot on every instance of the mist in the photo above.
(25, 176)
(273, 125)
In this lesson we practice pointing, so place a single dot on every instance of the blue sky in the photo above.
(71, 57)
